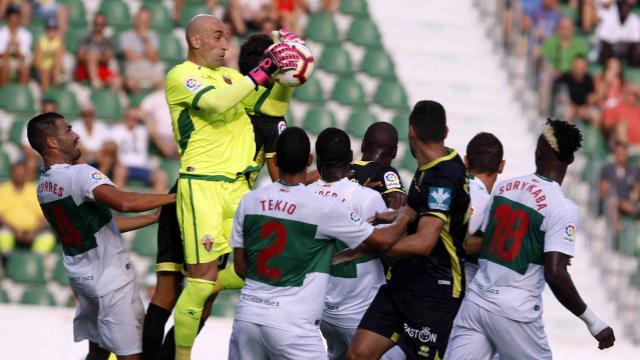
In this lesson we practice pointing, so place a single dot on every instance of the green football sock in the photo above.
(188, 310)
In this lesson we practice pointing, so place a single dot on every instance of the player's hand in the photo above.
(281, 35)
(407, 211)
(385, 217)
(276, 59)
(605, 338)
(345, 256)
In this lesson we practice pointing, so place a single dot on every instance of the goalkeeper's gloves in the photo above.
(282, 35)
(277, 59)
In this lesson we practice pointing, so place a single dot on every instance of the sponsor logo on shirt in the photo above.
(424, 335)
(391, 180)
(440, 198)
(257, 300)
(354, 217)
(424, 351)
(192, 84)
(97, 176)
(569, 233)
(281, 126)
(207, 242)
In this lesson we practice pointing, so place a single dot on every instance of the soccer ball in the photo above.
(300, 75)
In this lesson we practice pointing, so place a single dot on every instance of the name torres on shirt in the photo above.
(531, 188)
(48, 186)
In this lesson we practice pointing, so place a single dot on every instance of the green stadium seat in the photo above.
(378, 63)
(72, 38)
(358, 123)
(5, 165)
(65, 100)
(354, 8)
(117, 13)
(336, 60)
(348, 92)
(77, 13)
(136, 98)
(15, 132)
(310, 92)
(17, 98)
(36, 28)
(318, 119)
(25, 267)
(107, 105)
(37, 296)
(4, 297)
(408, 162)
(144, 241)
(364, 32)
(170, 50)
(60, 274)
(190, 11)
(160, 18)
(391, 95)
(401, 123)
(172, 168)
(632, 75)
(323, 29)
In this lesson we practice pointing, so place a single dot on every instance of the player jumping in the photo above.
(76, 200)
(529, 237)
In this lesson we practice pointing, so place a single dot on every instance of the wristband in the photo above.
(594, 324)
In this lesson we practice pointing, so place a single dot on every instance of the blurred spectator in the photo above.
(623, 121)
(560, 49)
(15, 48)
(21, 221)
(159, 125)
(621, 181)
(31, 158)
(43, 10)
(609, 84)
(95, 140)
(288, 13)
(142, 67)
(248, 15)
(545, 20)
(619, 33)
(95, 52)
(581, 91)
(48, 57)
(132, 138)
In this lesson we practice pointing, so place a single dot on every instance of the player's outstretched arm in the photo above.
(422, 242)
(128, 223)
(124, 201)
(382, 239)
(473, 244)
(561, 284)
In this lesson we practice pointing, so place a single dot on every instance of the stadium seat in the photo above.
(632, 75)
(17, 98)
(144, 241)
(170, 50)
(37, 296)
(358, 123)
(336, 60)
(408, 162)
(354, 8)
(25, 267)
(189, 11)
(118, 14)
(172, 168)
(4, 297)
(72, 38)
(348, 92)
(60, 274)
(378, 63)
(16, 130)
(318, 119)
(107, 105)
(391, 95)
(36, 28)
(401, 123)
(160, 18)
(65, 100)
(310, 92)
(5, 165)
(136, 98)
(323, 29)
(364, 32)
(77, 12)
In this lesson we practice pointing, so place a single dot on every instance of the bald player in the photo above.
(379, 148)
(216, 145)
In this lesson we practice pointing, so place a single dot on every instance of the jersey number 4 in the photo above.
(269, 229)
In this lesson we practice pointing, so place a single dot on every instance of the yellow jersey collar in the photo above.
(451, 154)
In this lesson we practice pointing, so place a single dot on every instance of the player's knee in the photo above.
(357, 352)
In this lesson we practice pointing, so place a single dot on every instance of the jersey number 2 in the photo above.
(269, 229)
(511, 224)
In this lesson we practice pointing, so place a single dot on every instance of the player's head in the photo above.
(557, 144)
(427, 124)
(381, 139)
(293, 151)
(251, 51)
(333, 150)
(50, 135)
(208, 40)
(484, 155)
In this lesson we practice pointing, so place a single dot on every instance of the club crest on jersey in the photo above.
(207, 242)
(391, 180)
(281, 126)
(440, 198)
(424, 351)
(354, 217)
(569, 233)
(97, 176)
(192, 84)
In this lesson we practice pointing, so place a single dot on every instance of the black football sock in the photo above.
(168, 351)
(153, 330)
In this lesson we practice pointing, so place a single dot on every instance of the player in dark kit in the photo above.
(379, 148)
(417, 307)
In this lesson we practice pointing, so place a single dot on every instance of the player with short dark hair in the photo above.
(417, 307)
(75, 199)
(379, 148)
(528, 239)
(283, 243)
(484, 162)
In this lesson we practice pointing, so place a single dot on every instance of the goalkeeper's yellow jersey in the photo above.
(216, 142)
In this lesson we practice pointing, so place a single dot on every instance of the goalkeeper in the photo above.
(216, 145)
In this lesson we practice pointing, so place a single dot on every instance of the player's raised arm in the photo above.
(129, 223)
(383, 239)
(124, 201)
